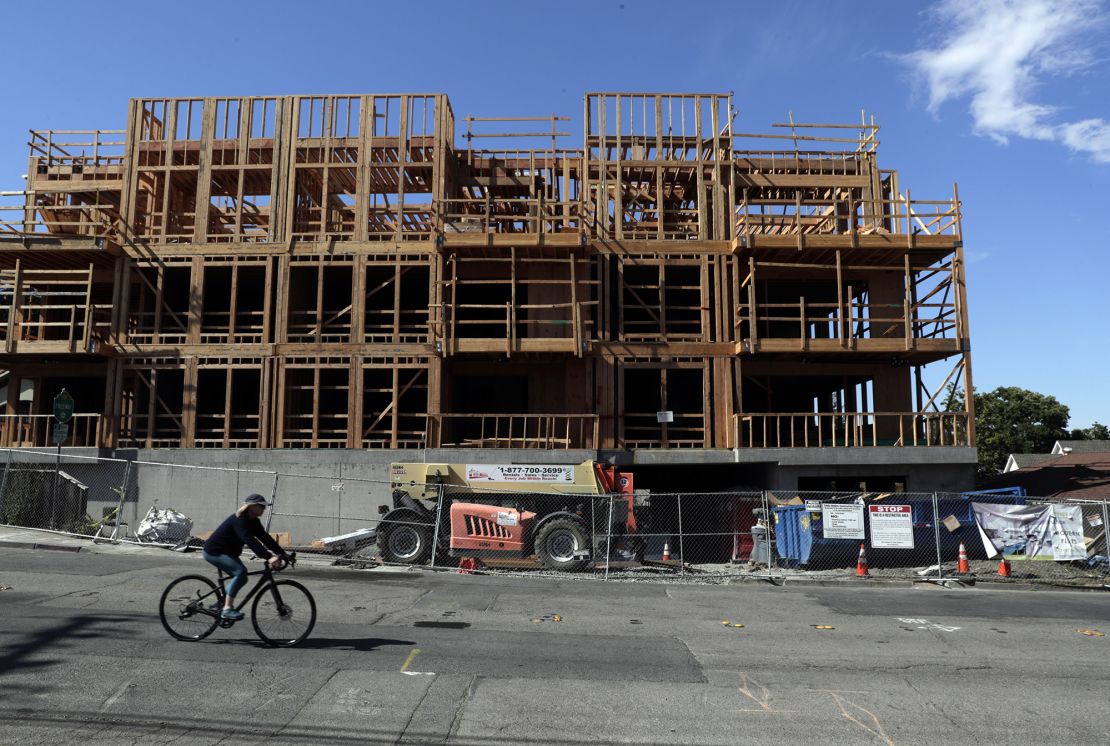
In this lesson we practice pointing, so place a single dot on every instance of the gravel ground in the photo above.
(1035, 572)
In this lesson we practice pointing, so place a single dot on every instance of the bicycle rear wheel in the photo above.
(283, 613)
(190, 607)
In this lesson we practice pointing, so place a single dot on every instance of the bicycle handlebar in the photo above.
(289, 560)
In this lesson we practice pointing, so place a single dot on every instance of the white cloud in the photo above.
(997, 52)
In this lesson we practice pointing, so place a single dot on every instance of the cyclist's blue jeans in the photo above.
(234, 567)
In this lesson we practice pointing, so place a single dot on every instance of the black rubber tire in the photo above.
(559, 540)
(297, 608)
(406, 542)
(173, 607)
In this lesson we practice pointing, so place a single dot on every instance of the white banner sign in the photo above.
(891, 526)
(1067, 533)
(505, 473)
(1032, 530)
(842, 521)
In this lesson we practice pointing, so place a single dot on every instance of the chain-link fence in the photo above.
(634, 535)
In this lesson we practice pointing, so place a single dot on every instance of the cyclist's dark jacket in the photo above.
(238, 530)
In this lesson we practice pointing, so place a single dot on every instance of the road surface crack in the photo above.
(464, 700)
(412, 715)
(307, 701)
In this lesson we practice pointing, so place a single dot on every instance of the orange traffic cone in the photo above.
(962, 567)
(861, 563)
(1004, 568)
(666, 551)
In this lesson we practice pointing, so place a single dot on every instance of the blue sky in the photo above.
(1010, 99)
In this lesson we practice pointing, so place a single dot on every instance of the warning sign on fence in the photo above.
(891, 526)
(842, 521)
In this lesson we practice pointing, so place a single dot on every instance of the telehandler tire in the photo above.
(406, 541)
(559, 543)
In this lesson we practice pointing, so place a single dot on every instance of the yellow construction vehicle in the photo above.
(567, 515)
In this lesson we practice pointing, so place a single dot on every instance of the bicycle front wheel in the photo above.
(190, 607)
(283, 613)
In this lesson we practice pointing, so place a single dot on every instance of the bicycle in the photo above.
(283, 613)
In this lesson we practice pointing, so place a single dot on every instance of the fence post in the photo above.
(593, 534)
(115, 537)
(4, 482)
(936, 535)
(769, 518)
(273, 503)
(608, 536)
(339, 505)
(1105, 531)
(681, 545)
(54, 490)
(435, 531)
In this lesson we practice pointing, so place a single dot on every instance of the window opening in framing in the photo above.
(319, 303)
(647, 391)
(228, 410)
(158, 307)
(233, 305)
(396, 303)
(316, 408)
(152, 408)
(394, 407)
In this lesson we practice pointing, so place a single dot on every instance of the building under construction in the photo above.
(363, 272)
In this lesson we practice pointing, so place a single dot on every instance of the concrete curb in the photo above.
(38, 545)
(952, 583)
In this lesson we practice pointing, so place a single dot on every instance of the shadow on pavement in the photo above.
(360, 644)
(20, 653)
(176, 726)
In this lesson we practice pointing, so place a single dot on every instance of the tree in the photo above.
(1013, 420)
(953, 399)
(1097, 431)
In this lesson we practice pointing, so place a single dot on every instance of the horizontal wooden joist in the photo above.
(59, 347)
(517, 346)
(694, 248)
(296, 248)
(56, 253)
(845, 240)
(854, 346)
(379, 350)
(32, 366)
(797, 362)
(830, 180)
(453, 240)
(284, 349)
(662, 349)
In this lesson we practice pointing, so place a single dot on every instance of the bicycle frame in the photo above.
(266, 574)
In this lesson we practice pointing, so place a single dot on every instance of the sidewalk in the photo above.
(41, 539)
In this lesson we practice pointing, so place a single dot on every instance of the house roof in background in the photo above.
(1022, 460)
(1082, 446)
(1072, 475)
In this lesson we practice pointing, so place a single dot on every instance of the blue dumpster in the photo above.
(799, 534)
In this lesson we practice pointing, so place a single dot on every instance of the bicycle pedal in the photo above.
(227, 623)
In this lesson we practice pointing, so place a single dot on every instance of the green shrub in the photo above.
(21, 501)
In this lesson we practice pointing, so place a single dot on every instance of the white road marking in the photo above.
(119, 693)
(926, 624)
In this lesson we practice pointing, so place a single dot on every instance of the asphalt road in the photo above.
(448, 658)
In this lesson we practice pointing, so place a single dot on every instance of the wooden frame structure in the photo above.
(336, 271)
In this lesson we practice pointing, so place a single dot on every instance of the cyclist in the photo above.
(224, 546)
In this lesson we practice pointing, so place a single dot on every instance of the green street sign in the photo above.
(61, 432)
(63, 407)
